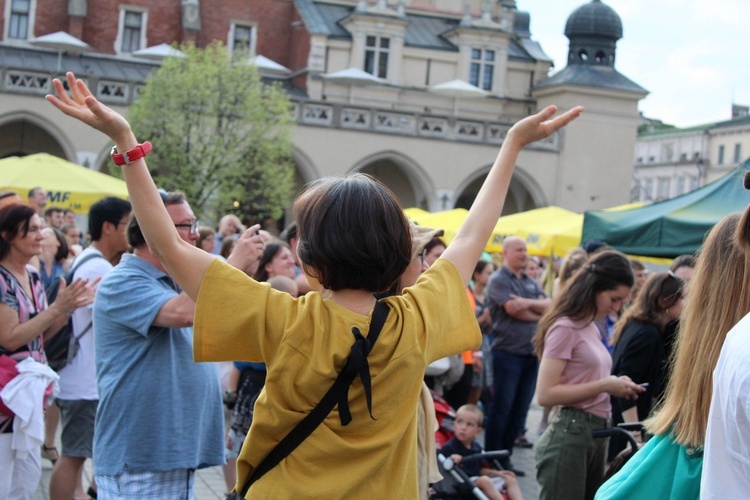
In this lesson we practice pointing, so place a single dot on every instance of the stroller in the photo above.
(623, 432)
(445, 416)
(456, 484)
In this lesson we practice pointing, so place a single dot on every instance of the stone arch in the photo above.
(24, 133)
(408, 181)
(304, 169)
(524, 192)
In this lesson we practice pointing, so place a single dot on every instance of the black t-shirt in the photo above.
(455, 447)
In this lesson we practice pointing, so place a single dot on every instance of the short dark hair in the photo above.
(434, 242)
(272, 250)
(110, 209)
(637, 265)
(685, 260)
(226, 247)
(33, 191)
(289, 233)
(64, 249)
(14, 219)
(51, 210)
(134, 233)
(481, 264)
(352, 233)
(69, 210)
(6, 193)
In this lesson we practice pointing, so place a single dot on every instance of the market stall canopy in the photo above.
(546, 230)
(68, 185)
(672, 227)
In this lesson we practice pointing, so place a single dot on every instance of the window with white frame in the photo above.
(131, 35)
(649, 191)
(377, 49)
(737, 152)
(720, 160)
(680, 185)
(19, 18)
(482, 68)
(242, 40)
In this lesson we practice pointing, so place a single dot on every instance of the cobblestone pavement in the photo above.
(209, 483)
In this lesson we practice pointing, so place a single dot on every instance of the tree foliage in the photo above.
(220, 135)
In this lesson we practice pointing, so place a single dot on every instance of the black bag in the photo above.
(61, 348)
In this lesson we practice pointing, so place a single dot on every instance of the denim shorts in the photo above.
(77, 418)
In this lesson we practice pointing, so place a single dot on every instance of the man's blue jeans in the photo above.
(514, 380)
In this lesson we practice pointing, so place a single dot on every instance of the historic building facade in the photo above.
(366, 81)
(671, 161)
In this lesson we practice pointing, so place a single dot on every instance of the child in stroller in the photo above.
(493, 483)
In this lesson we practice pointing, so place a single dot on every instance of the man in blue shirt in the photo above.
(160, 414)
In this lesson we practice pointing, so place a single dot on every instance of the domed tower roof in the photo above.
(521, 23)
(593, 30)
(594, 19)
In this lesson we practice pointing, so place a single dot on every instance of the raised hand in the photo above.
(248, 250)
(81, 104)
(541, 125)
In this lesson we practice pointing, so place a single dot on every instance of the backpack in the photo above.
(63, 346)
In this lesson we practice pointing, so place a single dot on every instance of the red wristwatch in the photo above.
(131, 155)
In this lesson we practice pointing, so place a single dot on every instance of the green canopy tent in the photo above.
(672, 227)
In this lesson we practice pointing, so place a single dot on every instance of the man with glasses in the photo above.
(78, 398)
(160, 414)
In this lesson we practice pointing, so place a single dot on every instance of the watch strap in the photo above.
(131, 155)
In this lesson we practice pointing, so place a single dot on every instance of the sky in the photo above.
(693, 56)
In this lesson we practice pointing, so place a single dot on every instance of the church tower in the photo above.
(602, 140)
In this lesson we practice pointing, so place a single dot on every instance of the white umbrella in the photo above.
(159, 52)
(458, 89)
(267, 66)
(61, 42)
(353, 77)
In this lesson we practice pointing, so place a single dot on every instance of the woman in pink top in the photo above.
(574, 372)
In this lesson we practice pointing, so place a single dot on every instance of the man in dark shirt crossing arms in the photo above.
(516, 303)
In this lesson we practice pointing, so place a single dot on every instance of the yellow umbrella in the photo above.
(415, 214)
(547, 230)
(448, 220)
(68, 185)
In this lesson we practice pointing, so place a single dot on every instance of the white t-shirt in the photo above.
(726, 459)
(78, 378)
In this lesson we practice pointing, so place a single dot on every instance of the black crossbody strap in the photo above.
(334, 396)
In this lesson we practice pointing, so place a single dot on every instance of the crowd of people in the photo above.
(193, 347)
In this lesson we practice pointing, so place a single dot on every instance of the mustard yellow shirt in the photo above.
(305, 343)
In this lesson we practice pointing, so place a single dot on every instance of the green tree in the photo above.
(220, 135)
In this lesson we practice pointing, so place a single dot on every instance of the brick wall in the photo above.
(277, 37)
